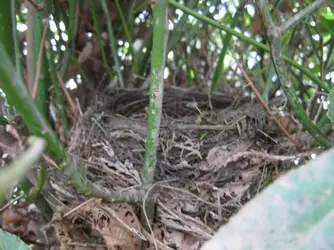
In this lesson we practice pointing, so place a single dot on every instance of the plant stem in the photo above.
(300, 15)
(160, 33)
(112, 43)
(72, 31)
(250, 41)
(282, 74)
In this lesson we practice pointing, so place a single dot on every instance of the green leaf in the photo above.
(13, 173)
(10, 242)
(295, 212)
(316, 69)
(330, 112)
(203, 135)
(326, 26)
(328, 15)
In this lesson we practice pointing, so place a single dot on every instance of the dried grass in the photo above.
(206, 175)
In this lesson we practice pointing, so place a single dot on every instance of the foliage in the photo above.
(9, 241)
(190, 44)
(295, 212)
(330, 112)
(10, 175)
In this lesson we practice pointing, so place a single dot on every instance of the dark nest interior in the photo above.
(215, 153)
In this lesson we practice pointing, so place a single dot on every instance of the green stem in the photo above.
(300, 15)
(41, 179)
(72, 31)
(40, 65)
(127, 33)
(282, 74)
(226, 43)
(7, 27)
(143, 67)
(99, 38)
(112, 43)
(160, 33)
(58, 92)
(17, 95)
(18, 63)
(323, 120)
(180, 26)
(248, 40)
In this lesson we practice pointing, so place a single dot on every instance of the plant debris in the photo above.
(210, 163)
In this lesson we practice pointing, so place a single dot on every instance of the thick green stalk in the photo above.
(160, 34)
(112, 43)
(250, 41)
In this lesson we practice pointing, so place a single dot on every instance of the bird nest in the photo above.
(214, 155)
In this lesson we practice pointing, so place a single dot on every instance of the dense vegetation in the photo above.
(66, 64)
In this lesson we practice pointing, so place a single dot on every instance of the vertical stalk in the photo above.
(18, 63)
(6, 28)
(55, 83)
(158, 61)
(146, 56)
(98, 35)
(72, 31)
(127, 33)
(112, 42)
(160, 34)
(226, 42)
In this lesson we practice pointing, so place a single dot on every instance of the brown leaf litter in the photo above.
(210, 163)
(94, 224)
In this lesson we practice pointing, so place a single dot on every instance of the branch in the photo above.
(248, 40)
(282, 74)
(300, 15)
